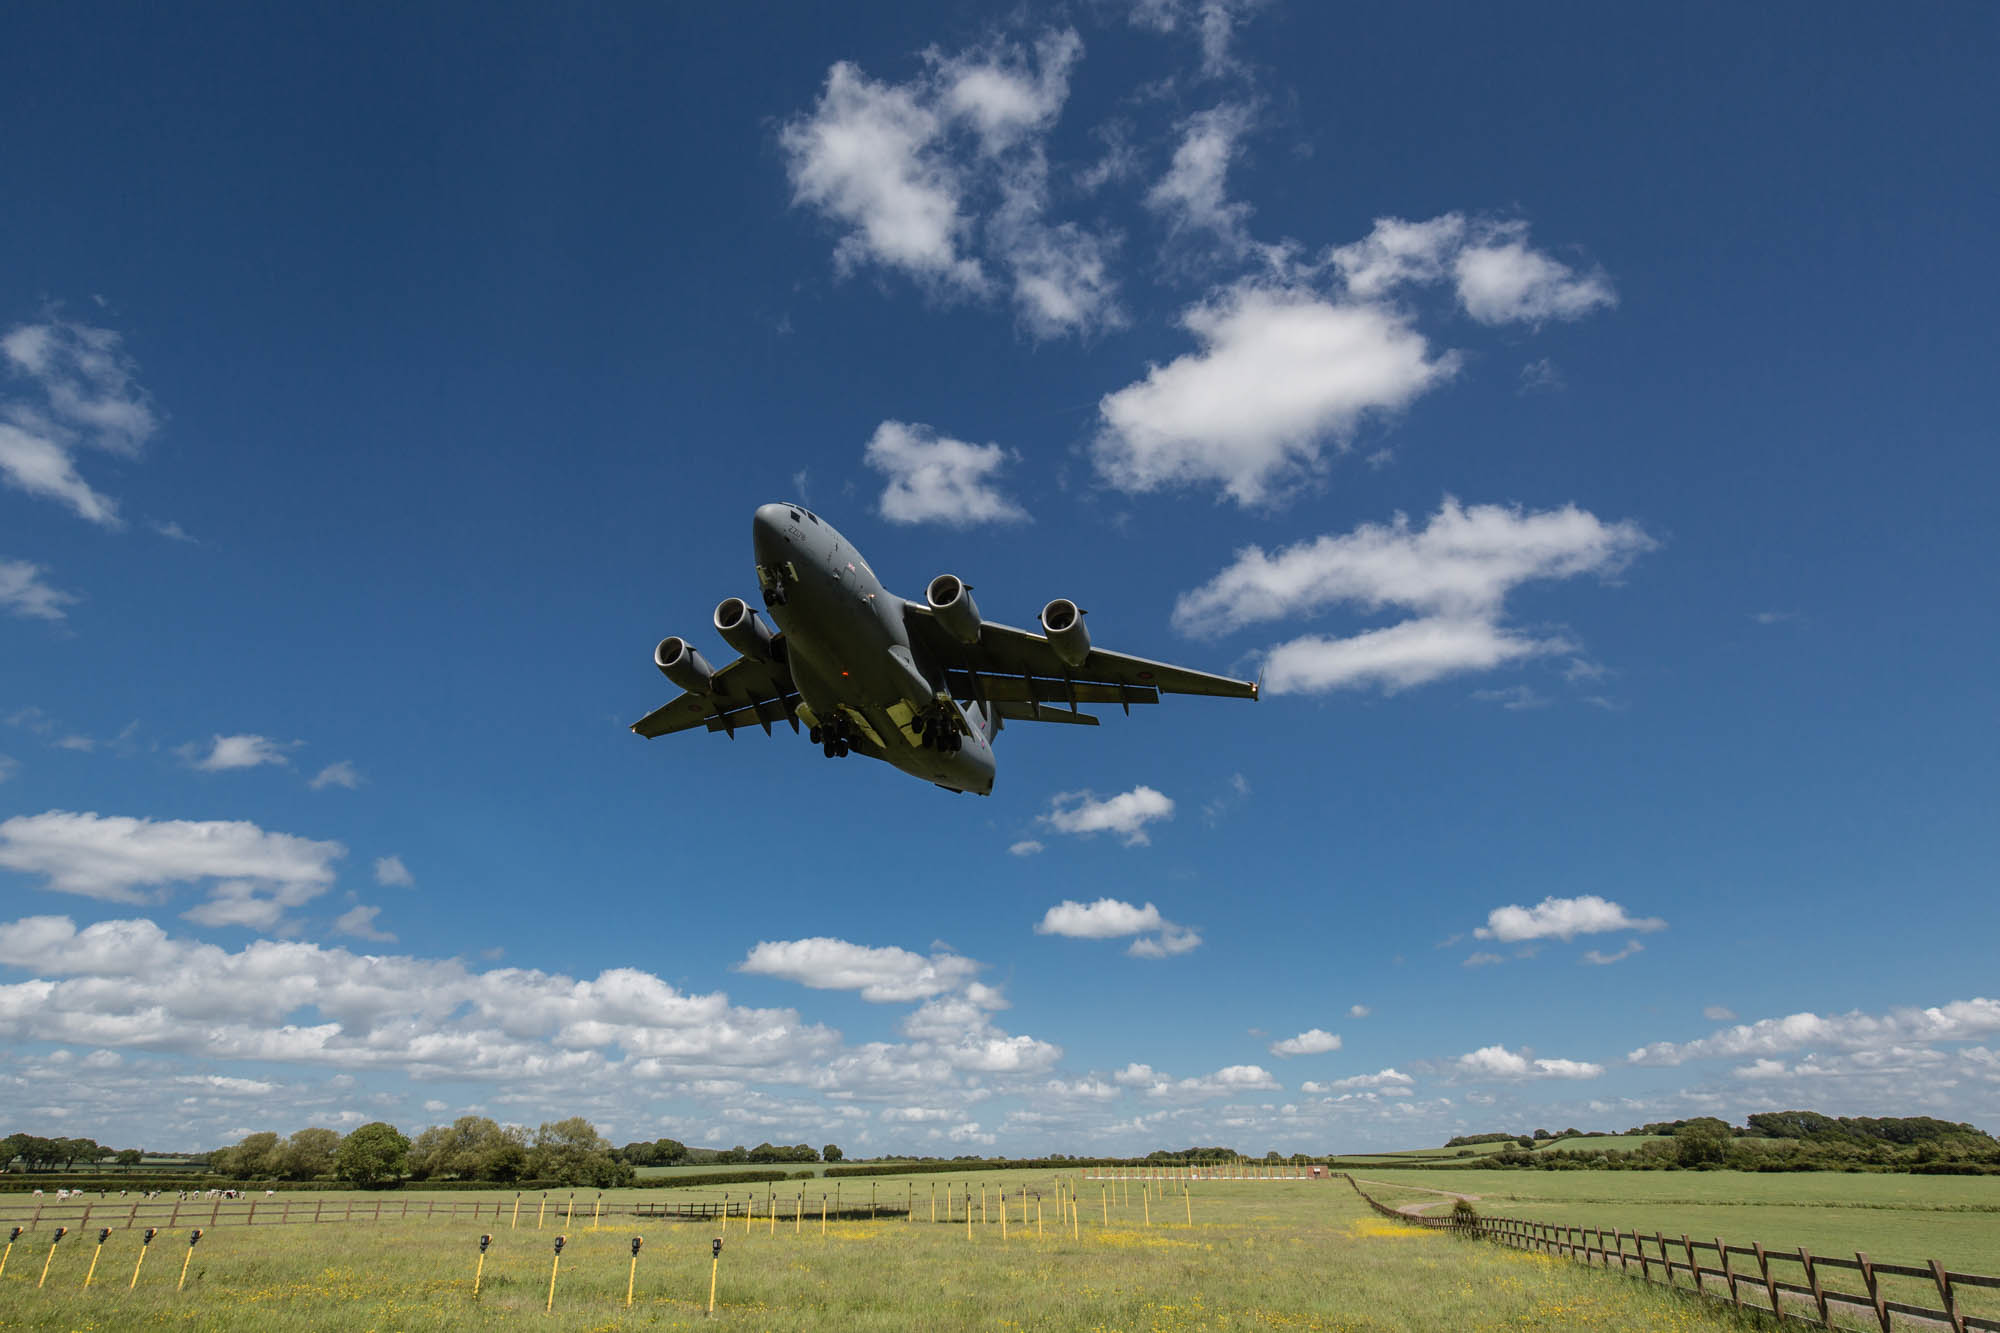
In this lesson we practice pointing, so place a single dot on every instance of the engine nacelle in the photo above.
(950, 599)
(1063, 623)
(680, 663)
(741, 629)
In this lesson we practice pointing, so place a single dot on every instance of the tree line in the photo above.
(1767, 1141)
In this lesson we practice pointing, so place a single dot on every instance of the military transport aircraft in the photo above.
(924, 686)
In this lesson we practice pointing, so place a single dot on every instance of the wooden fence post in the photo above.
(1694, 1269)
(1666, 1264)
(1812, 1281)
(1764, 1267)
(1722, 1258)
(1948, 1297)
(1874, 1290)
(1645, 1269)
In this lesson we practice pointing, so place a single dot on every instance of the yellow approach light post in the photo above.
(633, 1276)
(554, 1268)
(60, 1233)
(597, 1209)
(543, 1208)
(480, 1271)
(145, 1243)
(103, 1234)
(12, 1236)
(517, 1211)
(1187, 1197)
(715, 1262)
(194, 1239)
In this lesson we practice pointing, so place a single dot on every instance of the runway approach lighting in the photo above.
(145, 1244)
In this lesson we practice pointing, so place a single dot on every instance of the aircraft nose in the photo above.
(767, 529)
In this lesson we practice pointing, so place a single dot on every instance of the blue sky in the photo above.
(1582, 420)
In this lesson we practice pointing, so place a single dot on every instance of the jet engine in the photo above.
(1063, 624)
(950, 599)
(680, 663)
(742, 630)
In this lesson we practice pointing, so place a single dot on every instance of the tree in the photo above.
(1701, 1145)
(258, 1157)
(308, 1154)
(831, 1152)
(374, 1154)
(472, 1147)
(572, 1152)
(130, 1157)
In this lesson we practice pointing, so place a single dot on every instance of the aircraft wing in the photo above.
(747, 693)
(1011, 665)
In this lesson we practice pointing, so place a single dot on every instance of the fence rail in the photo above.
(34, 1215)
(1678, 1263)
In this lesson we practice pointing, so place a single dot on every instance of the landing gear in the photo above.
(940, 735)
(833, 737)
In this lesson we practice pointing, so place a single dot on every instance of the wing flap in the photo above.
(1003, 651)
(1043, 689)
(1031, 712)
(746, 693)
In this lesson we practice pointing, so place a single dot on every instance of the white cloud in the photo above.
(117, 858)
(1125, 814)
(1412, 653)
(1214, 23)
(1602, 959)
(1497, 1062)
(1313, 1041)
(360, 923)
(1501, 280)
(88, 398)
(9, 766)
(24, 593)
(883, 976)
(239, 751)
(1718, 1013)
(1497, 276)
(1229, 1081)
(390, 870)
(1561, 919)
(1483, 960)
(864, 159)
(1359, 1011)
(924, 174)
(1025, 847)
(1107, 918)
(1387, 1078)
(1514, 698)
(1111, 918)
(1169, 943)
(1280, 372)
(1960, 1020)
(1194, 195)
(340, 773)
(1460, 566)
(936, 479)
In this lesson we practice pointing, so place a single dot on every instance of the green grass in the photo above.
(1297, 1255)
(1892, 1218)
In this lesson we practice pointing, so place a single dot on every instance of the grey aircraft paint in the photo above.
(925, 686)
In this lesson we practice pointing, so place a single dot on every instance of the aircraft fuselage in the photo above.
(851, 657)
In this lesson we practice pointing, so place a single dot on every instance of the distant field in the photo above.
(1292, 1256)
(1900, 1218)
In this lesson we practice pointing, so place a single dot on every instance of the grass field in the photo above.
(1295, 1255)
(1894, 1218)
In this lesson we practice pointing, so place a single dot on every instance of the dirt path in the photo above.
(1417, 1209)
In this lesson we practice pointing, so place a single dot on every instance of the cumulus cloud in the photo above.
(239, 751)
(1280, 372)
(1025, 847)
(1385, 1079)
(936, 479)
(1718, 1013)
(1960, 1020)
(360, 923)
(1231, 1080)
(25, 593)
(1497, 1062)
(1194, 195)
(118, 858)
(881, 975)
(1213, 23)
(1562, 919)
(1496, 275)
(1125, 814)
(390, 870)
(1460, 566)
(1602, 959)
(1359, 1011)
(1313, 1041)
(83, 393)
(340, 773)
(945, 178)
(1455, 572)
(1112, 918)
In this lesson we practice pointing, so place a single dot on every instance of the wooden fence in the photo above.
(32, 1214)
(1705, 1268)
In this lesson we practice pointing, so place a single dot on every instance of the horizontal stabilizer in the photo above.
(1033, 712)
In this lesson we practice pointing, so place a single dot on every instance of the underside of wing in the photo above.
(1008, 665)
(746, 693)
